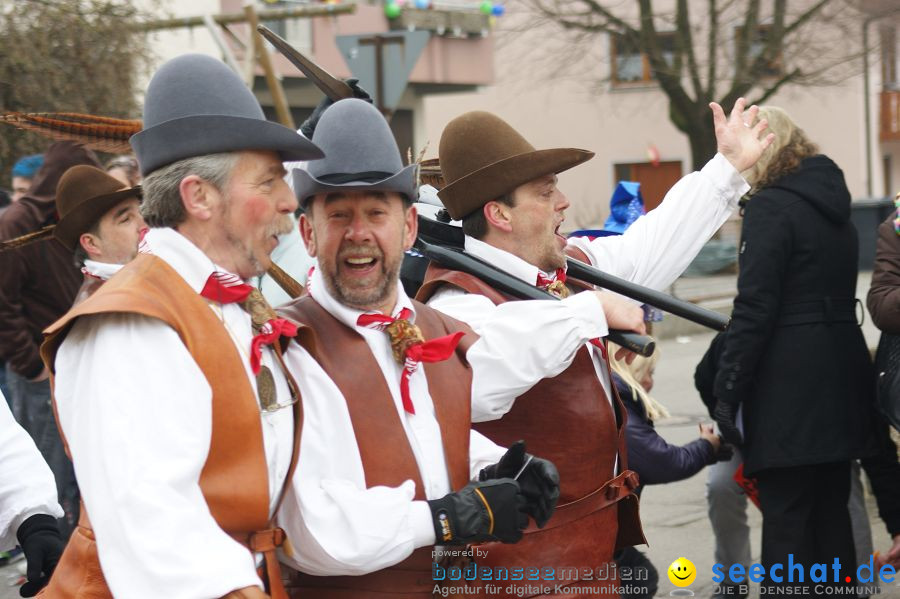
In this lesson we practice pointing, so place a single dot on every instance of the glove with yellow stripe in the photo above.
(491, 510)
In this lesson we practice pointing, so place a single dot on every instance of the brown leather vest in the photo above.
(387, 457)
(569, 421)
(234, 479)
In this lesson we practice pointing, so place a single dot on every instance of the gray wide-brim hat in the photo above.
(196, 105)
(360, 155)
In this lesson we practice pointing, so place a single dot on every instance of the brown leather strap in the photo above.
(610, 492)
(246, 593)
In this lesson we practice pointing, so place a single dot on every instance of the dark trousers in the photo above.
(805, 514)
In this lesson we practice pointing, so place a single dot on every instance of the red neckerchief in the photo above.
(226, 288)
(436, 350)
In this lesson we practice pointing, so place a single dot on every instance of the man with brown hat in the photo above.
(169, 383)
(100, 222)
(505, 193)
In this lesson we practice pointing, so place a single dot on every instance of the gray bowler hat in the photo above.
(196, 105)
(361, 154)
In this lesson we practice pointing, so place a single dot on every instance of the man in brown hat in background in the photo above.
(100, 222)
(505, 193)
(176, 408)
(39, 283)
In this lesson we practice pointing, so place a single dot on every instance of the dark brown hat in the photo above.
(83, 196)
(483, 158)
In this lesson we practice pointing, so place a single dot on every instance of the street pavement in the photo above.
(674, 515)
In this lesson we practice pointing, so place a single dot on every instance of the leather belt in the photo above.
(827, 310)
(612, 491)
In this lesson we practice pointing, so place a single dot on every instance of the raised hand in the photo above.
(737, 138)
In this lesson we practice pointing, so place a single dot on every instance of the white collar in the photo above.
(181, 254)
(504, 260)
(347, 315)
(101, 270)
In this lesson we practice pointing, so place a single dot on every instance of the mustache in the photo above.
(282, 226)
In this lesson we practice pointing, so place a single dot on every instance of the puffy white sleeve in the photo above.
(139, 429)
(337, 526)
(27, 487)
(657, 248)
(521, 342)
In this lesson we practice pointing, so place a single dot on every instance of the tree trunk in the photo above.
(703, 140)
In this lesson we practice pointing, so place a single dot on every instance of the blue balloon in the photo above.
(422, 4)
(498, 10)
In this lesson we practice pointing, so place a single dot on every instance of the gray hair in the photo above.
(162, 205)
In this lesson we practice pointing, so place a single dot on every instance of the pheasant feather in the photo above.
(104, 134)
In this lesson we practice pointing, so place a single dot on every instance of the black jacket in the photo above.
(794, 354)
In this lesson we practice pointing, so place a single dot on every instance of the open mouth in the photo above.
(558, 234)
(360, 264)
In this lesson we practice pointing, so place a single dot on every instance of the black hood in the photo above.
(820, 182)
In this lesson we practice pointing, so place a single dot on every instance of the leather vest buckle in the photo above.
(262, 541)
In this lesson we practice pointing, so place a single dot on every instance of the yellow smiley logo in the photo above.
(682, 572)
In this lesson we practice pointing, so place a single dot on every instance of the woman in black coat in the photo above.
(795, 358)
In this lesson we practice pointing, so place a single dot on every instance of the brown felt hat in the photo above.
(83, 196)
(483, 158)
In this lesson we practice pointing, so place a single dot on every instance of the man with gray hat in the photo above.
(169, 381)
(387, 452)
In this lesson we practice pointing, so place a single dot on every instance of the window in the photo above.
(631, 65)
(775, 67)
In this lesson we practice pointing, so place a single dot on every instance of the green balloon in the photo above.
(486, 7)
(392, 10)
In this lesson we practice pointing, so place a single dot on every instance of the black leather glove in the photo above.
(725, 452)
(539, 480)
(309, 125)
(42, 545)
(492, 510)
(725, 415)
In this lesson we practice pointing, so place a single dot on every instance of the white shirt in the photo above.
(653, 252)
(336, 525)
(101, 270)
(137, 414)
(27, 487)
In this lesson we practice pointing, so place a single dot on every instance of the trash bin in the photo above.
(866, 214)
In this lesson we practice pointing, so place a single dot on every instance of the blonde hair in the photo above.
(790, 147)
(632, 374)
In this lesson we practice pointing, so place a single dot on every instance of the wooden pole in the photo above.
(219, 39)
(279, 100)
(275, 14)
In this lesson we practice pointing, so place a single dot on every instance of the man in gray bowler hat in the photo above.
(388, 456)
(169, 381)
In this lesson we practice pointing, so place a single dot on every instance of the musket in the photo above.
(448, 235)
(504, 282)
(589, 274)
